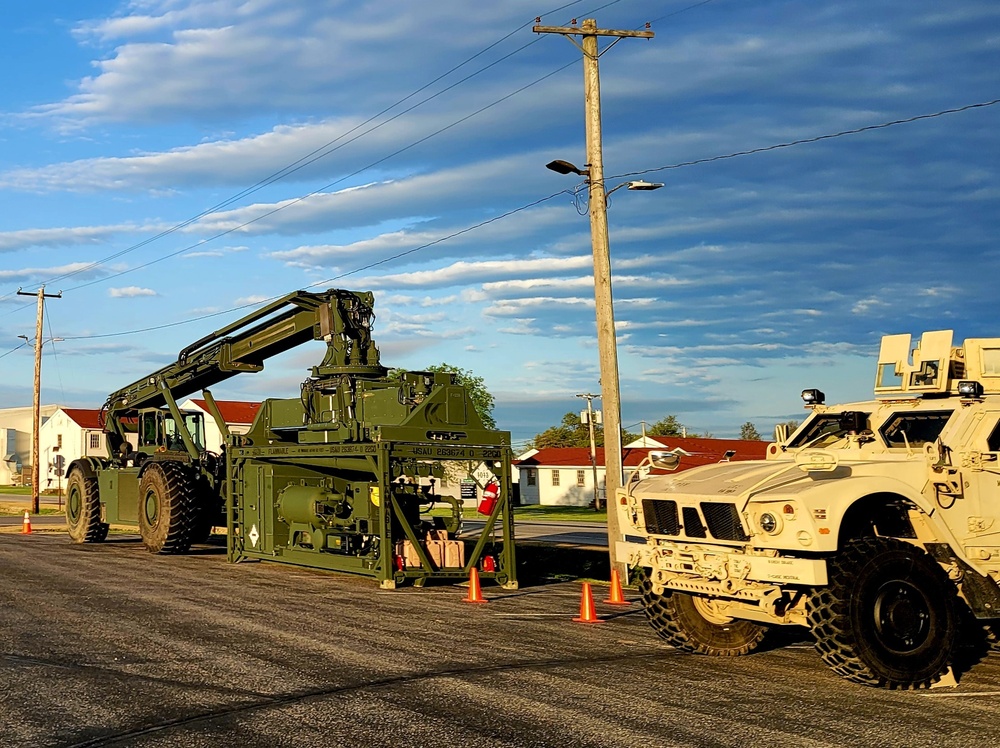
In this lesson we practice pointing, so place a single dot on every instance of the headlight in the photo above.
(813, 397)
(769, 523)
(967, 388)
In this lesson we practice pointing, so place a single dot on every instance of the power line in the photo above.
(317, 154)
(328, 280)
(4, 355)
(327, 149)
(815, 139)
(319, 190)
(55, 358)
(682, 10)
(538, 202)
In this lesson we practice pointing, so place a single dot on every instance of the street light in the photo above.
(606, 337)
(565, 167)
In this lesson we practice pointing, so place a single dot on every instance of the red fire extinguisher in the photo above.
(489, 501)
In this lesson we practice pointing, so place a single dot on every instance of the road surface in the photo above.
(107, 645)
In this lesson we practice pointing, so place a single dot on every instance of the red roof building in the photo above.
(234, 412)
(85, 418)
(564, 475)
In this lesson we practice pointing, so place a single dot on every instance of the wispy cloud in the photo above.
(130, 292)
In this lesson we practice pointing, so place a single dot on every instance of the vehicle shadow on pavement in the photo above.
(779, 637)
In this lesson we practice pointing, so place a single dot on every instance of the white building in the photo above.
(70, 433)
(15, 443)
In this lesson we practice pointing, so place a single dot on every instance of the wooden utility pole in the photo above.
(37, 402)
(593, 447)
(606, 341)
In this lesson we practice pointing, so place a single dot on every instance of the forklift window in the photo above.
(148, 430)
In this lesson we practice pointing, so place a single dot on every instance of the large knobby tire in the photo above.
(168, 509)
(689, 624)
(83, 508)
(889, 617)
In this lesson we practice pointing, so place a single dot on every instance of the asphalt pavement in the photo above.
(107, 645)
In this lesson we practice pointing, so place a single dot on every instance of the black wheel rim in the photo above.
(902, 616)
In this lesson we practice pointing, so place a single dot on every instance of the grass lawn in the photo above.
(559, 513)
(17, 510)
(8, 510)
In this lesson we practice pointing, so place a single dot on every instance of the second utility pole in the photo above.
(606, 342)
(589, 397)
(37, 402)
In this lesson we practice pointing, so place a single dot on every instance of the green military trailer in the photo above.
(347, 476)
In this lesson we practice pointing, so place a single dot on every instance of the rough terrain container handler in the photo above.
(341, 477)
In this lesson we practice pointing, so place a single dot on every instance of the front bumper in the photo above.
(722, 564)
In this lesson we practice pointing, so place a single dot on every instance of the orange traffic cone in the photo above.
(587, 614)
(26, 527)
(615, 597)
(475, 593)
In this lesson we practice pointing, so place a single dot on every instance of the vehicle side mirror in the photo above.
(664, 460)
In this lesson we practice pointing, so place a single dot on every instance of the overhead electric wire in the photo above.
(4, 355)
(803, 141)
(545, 199)
(312, 157)
(319, 190)
(384, 260)
(322, 151)
(52, 341)
(678, 12)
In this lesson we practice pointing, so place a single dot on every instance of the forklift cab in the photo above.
(159, 430)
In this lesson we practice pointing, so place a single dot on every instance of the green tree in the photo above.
(482, 399)
(750, 433)
(572, 432)
(668, 426)
(569, 433)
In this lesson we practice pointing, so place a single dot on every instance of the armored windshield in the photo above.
(828, 428)
(914, 429)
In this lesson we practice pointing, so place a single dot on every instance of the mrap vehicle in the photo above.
(342, 477)
(875, 524)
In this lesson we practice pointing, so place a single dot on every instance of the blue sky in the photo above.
(737, 285)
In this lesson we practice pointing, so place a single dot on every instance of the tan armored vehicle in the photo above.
(876, 524)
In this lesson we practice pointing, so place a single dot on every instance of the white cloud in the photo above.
(251, 300)
(130, 292)
(469, 273)
(78, 269)
(11, 241)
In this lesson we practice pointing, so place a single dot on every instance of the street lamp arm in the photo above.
(635, 184)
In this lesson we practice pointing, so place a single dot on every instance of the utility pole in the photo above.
(37, 402)
(593, 447)
(606, 341)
